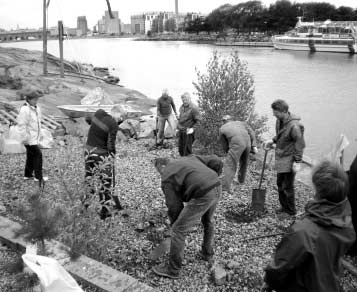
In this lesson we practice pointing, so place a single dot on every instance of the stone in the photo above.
(233, 265)
(219, 275)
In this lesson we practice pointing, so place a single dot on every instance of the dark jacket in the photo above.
(236, 133)
(102, 133)
(189, 117)
(290, 143)
(193, 176)
(164, 104)
(308, 257)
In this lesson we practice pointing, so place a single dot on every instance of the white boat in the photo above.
(327, 36)
(79, 110)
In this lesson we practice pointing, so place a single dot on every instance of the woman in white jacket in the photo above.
(29, 124)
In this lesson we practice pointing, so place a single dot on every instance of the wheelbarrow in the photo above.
(258, 195)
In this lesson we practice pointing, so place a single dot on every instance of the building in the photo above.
(111, 26)
(125, 28)
(82, 27)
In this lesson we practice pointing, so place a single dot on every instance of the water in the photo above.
(319, 87)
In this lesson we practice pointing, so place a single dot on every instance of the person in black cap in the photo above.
(29, 125)
(192, 190)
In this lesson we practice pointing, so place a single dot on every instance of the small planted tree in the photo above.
(226, 88)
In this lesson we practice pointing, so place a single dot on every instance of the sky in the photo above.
(28, 13)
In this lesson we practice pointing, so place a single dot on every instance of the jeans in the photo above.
(33, 161)
(184, 217)
(92, 161)
(161, 126)
(285, 183)
(185, 142)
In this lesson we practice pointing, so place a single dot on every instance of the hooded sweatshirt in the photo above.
(193, 176)
(308, 257)
(290, 143)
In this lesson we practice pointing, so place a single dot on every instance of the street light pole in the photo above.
(44, 38)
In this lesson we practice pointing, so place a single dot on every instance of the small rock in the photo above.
(219, 275)
(2, 209)
(233, 265)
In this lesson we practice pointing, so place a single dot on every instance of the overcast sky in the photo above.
(28, 13)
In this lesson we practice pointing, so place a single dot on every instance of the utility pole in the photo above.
(60, 38)
(44, 39)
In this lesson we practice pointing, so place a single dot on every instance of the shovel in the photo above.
(258, 195)
(161, 249)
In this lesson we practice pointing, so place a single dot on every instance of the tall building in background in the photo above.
(108, 25)
(176, 7)
(82, 27)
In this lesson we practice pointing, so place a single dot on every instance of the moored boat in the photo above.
(327, 36)
(79, 110)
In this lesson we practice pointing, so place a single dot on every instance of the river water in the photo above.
(319, 87)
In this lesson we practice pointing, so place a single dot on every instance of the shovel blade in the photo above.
(161, 249)
(258, 199)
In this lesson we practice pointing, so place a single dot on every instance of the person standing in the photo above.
(187, 123)
(290, 144)
(29, 126)
(165, 105)
(238, 140)
(192, 190)
(352, 196)
(100, 148)
(308, 256)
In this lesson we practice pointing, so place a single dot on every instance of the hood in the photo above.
(326, 213)
(211, 161)
(292, 117)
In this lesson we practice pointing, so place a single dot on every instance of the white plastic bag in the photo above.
(11, 141)
(53, 277)
(46, 139)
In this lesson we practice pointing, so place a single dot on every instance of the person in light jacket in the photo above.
(238, 140)
(29, 125)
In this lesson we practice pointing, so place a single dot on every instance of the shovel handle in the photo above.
(262, 174)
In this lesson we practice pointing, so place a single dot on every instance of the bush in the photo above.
(226, 88)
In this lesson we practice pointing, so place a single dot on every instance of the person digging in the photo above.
(192, 189)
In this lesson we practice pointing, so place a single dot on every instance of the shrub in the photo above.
(226, 88)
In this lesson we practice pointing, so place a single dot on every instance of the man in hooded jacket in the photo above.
(192, 191)
(307, 259)
(290, 144)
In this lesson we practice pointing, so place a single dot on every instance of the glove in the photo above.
(265, 288)
(296, 167)
(268, 144)
(254, 150)
(189, 131)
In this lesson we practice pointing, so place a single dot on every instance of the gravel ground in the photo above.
(127, 240)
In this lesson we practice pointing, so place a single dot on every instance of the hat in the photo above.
(227, 118)
(31, 93)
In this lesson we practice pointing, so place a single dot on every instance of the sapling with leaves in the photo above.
(42, 219)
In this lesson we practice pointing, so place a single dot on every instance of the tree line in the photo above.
(253, 16)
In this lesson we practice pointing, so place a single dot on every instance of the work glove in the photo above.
(269, 144)
(296, 167)
(265, 288)
(189, 131)
(254, 150)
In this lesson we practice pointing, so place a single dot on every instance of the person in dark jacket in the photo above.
(353, 201)
(165, 105)
(187, 123)
(99, 149)
(238, 140)
(192, 191)
(307, 259)
(290, 144)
